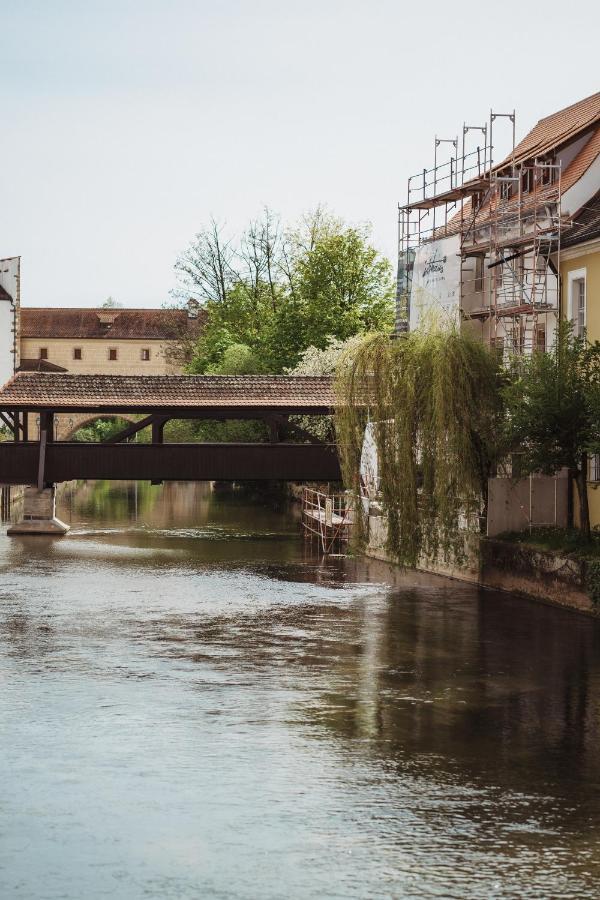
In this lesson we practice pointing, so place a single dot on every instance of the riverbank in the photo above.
(517, 567)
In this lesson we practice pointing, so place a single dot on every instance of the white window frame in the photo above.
(574, 277)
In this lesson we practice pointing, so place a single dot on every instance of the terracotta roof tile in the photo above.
(549, 133)
(558, 127)
(586, 226)
(116, 324)
(39, 365)
(28, 390)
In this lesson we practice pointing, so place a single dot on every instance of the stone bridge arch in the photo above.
(67, 424)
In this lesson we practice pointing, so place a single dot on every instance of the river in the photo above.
(194, 704)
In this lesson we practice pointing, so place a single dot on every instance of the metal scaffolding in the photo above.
(507, 219)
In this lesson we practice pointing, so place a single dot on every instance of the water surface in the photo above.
(195, 704)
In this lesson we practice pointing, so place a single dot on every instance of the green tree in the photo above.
(278, 293)
(553, 411)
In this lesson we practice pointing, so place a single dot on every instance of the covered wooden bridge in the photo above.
(32, 401)
(31, 404)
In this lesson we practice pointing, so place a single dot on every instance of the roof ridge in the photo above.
(570, 106)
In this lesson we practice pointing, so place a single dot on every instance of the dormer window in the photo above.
(526, 180)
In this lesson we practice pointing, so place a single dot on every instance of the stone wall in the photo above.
(544, 574)
(503, 565)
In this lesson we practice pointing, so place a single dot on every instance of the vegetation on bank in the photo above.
(569, 541)
(433, 398)
(552, 417)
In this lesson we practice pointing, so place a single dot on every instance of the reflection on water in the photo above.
(194, 704)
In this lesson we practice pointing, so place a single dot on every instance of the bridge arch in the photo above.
(68, 425)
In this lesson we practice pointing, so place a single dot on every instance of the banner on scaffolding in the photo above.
(435, 288)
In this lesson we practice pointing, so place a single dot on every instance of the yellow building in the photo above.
(105, 341)
(580, 279)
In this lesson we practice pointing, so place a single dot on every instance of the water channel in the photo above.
(195, 704)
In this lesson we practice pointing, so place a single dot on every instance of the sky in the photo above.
(127, 125)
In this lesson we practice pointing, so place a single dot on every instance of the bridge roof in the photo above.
(301, 394)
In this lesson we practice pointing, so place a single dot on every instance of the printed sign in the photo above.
(435, 289)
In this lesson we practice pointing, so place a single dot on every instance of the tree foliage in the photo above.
(278, 292)
(553, 410)
(434, 400)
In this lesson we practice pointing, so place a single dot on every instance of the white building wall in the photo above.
(9, 280)
(435, 289)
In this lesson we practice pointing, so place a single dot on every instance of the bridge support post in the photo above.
(39, 513)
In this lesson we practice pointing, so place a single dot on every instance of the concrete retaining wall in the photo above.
(542, 574)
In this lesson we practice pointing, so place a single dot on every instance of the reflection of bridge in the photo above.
(157, 399)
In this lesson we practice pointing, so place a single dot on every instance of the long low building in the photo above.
(107, 340)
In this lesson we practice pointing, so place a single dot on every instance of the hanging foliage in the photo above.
(433, 399)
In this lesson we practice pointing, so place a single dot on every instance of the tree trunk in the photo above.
(584, 508)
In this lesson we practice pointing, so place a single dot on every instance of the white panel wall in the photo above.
(9, 280)
(6, 341)
(435, 290)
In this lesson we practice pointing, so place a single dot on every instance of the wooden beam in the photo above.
(129, 431)
(42, 454)
(158, 424)
(7, 421)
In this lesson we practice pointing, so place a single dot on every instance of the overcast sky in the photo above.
(127, 123)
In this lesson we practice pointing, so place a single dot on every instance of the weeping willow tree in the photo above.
(433, 399)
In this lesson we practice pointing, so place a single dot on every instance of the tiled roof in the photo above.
(39, 390)
(548, 134)
(586, 225)
(556, 129)
(115, 324)
(39, 365)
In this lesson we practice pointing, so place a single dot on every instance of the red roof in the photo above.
(310, 394)
(558, 128)
(122, 324)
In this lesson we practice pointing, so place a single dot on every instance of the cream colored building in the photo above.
(105, 341)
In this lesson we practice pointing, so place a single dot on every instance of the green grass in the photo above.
(567, 541)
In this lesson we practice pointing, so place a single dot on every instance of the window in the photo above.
(77, 353)
(497, 344)
(112, 353)
(478, 274)
(539, 342)
(43, 353)
(145, 354)
(594, 467)
(527, 180)
(576, 301)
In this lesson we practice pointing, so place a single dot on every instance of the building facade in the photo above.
(504, 250)
(480, 242)
(9, 317)
(580, 279)
(106, 341)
